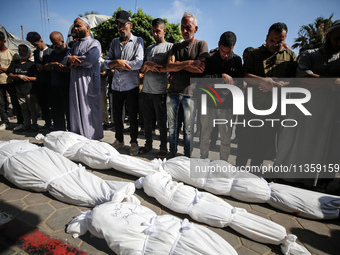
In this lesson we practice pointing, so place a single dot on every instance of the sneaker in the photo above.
(3, 126)
(18, 127)
(134, 149)
(117, 144)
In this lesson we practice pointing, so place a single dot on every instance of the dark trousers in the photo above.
(130, 98)
(155, 103)
(257, 143)
(44, 101)
(14, 100)
(60, 107)
(3, 102)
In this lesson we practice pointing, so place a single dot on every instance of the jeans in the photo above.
(173, 102)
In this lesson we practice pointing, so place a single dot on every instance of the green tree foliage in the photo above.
(142, 27)
(87, 13)
(313, 35)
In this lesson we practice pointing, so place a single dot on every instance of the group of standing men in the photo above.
(162, 64)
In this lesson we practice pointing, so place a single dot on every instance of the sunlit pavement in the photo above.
(36, 223)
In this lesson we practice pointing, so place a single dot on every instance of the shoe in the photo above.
(171, 155)
(126, 130)
(117, 144)
(46, 127)
(3, 126)
(18, 127)
(107, 126)
(34, 127)
(161, 154)
(24, 129)
(145, 149)
(134, 149)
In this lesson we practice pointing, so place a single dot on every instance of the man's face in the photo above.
(39, 45)
(225, 51)
(58, 45)
(188, 28)
(275, 40)
(335, 39)
(124, 29)
(158, 33)
(80, 28)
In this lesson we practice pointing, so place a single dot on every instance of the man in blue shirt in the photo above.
(126, 58)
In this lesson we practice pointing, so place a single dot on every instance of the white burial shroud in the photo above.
(209, 209)
(36, 168)
(130, 228)
(243, 186)
(96, 154)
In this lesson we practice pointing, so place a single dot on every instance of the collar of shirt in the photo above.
(41, 53)
(264, 48)
(132, 38)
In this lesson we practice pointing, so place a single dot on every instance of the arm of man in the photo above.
(112, 63)
(194, 66)
(3, 69)
(152, 67)
(308, 81)
(265, 84)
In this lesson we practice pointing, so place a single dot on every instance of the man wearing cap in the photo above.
(125, 57)
(85, 105)
(186, 60)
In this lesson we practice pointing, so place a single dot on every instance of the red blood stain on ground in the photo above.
(33, 241)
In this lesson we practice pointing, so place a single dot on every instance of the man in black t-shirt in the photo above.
(60, 82)
(41, 57)
(223, 65)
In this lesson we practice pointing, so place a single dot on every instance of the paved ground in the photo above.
(40, 214)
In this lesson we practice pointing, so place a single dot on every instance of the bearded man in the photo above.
(85, 105)
(60, 82)
(125, 58)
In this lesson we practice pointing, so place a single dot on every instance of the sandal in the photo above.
(145, 149)
(161, 154)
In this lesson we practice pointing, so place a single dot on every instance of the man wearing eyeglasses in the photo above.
(125, 57)
(265, 66)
